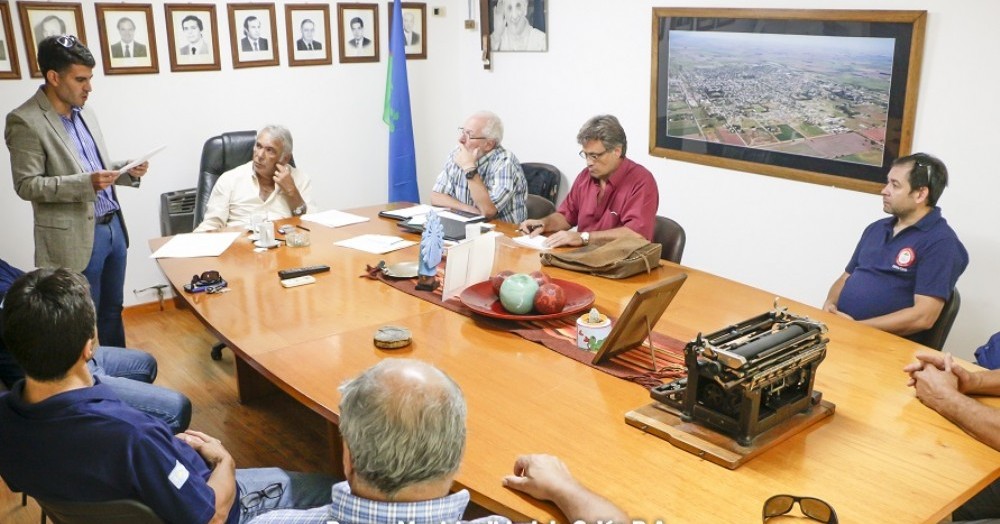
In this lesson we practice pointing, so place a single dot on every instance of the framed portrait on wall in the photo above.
(10, 69)
(515, 25)
(252, 35)
(358, 25)
(193, 37)
(414, 29)
(307, 27)
(43, 19)
(128, 40)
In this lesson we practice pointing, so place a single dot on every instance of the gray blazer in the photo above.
(47, 172)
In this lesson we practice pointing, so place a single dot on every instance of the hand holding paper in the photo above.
(142, 159)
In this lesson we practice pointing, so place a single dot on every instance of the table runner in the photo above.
(559, 335)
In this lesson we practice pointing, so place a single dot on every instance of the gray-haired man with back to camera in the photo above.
(403, 427)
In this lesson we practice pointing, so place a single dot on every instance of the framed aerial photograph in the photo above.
(253, 35)
(358, 25)
(43, 19)
(307, 27)
(821, 96)
(10, 69)
(128, 40)
(515, 25)
(193, 37)
(414, 29)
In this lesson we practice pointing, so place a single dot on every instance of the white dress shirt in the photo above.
(236, 196)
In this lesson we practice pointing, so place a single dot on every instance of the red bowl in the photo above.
(481, 299)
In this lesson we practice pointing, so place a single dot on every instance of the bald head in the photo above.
(403, 422)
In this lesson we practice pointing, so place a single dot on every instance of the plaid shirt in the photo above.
(503, 176)
(349, 509)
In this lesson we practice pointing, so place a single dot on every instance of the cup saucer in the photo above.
(272, 245)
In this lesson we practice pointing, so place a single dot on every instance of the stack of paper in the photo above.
(334, 218)
(377, 244)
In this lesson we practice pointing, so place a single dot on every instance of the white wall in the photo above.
(788, 237)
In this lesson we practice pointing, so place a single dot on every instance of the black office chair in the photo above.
(112, 512)
(936, 336)
(543, 179)
(539, 206)
(671, 236)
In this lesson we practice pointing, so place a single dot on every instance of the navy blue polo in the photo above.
(86, 445)
(886, 271)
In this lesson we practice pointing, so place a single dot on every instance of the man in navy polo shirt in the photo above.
(64, 435)
(905, 267)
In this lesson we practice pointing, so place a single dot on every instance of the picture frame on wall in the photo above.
(193, 37)
(253, 35)
(833, 104)
(414, 29)
(10, 68)
(307, 29)
(128, 38)
(42, 19)
(515, 25)
(358, 24)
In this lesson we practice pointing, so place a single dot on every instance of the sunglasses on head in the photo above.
(66, 41)
(813, 508)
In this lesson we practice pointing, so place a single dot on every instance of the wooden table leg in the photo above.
(336, 466)
(250, 384)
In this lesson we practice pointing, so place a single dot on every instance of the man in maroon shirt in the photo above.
(613, 197)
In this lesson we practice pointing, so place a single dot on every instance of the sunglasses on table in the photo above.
(813, 508)
(209, 281)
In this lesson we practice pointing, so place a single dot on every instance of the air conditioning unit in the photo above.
(177, 211)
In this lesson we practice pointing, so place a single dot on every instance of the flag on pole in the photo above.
(402, 155)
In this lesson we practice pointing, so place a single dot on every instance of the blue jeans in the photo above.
(299, 490)
(130, 374)
(106, 274)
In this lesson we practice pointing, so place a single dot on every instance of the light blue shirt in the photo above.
(86, 150)
(503, 177)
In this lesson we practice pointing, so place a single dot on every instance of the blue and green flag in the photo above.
(402, 155)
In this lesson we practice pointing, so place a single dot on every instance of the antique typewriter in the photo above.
(747, 378)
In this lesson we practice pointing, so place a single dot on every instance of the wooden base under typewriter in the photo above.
(713, 446)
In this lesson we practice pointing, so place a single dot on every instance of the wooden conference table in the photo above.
(882, 456)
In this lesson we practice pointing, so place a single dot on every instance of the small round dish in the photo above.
(402, 269)
(481, 299)
(273, 245)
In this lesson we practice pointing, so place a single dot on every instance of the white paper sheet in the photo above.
(537, 242)
(334, 218)
(141, 159)
(191, 245)
(412, 211)
(377, 244)
(469, 262)
(460, 218)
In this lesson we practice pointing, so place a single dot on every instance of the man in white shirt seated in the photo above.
(266, 185)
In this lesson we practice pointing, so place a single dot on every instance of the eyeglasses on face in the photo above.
(207, 278)
(593, 156)
(66, 41)
(468, 134)
(256, 498)
(813, 508)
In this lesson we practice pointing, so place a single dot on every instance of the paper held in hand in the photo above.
(124, 169)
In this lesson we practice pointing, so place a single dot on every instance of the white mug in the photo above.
(265, 233)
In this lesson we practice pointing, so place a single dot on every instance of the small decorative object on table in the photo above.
(431, 249)
(392, 337)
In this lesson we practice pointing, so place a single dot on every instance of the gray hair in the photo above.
(493, 128)
(281, 133)
(404, 423)
(606, 129)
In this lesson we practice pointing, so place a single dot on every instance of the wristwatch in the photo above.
(585, 236)
(299, 210)
(469, 175)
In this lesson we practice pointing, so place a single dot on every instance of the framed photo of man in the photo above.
(253, 36)
(193, 37)
(307, 27)
(414, 29)
(43, 19)
(358, 25)
(128, 40)
(10, 69)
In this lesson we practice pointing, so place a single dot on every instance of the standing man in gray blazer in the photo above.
(61, 165)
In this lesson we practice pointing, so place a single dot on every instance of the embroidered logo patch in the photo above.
(179, 475)
(906, 257)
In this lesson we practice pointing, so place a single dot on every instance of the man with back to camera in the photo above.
(613, 197)
(252, 41)
(307, 43)
(403, 428)
(60, 164)
(266, 184)
(129, 372)
(481, 176)
(86, 445)
(196, 44)
(905, 266)
(127, 47)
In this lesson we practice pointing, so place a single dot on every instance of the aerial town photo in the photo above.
(818, 96)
